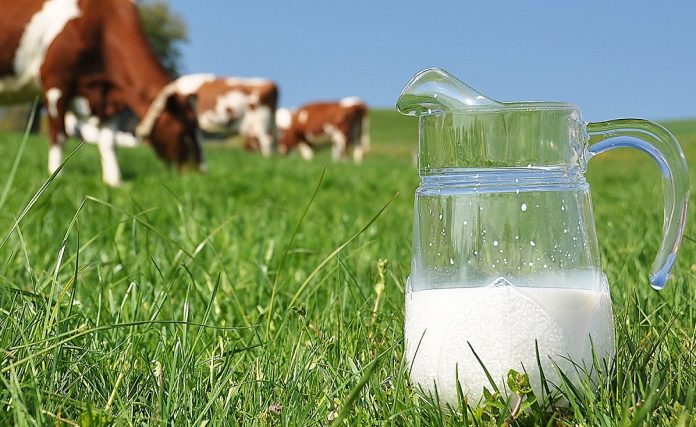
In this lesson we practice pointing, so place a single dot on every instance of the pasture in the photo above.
(262, 293)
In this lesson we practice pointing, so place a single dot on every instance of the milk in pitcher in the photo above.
(502, 322)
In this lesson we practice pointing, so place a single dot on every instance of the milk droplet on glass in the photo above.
(523, 208)
(495, 243)
(532, 243)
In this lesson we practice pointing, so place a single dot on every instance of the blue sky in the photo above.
(613, 58)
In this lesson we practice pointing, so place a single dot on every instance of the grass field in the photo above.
(244, 297)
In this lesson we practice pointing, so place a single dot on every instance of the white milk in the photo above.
(502, 323)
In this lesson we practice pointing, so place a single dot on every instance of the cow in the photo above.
(96, 49)
(224, 106)
(246, 107)
(342, 124)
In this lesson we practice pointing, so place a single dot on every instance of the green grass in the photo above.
(185, 299)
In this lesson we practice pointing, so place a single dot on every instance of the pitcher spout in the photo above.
(435, 90)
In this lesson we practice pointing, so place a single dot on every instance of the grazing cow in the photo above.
(341, 124)
(239, 106)
(96, 49)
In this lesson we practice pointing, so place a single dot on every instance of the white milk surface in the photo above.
(502, 323)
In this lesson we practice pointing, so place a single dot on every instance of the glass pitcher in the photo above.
(506, 270)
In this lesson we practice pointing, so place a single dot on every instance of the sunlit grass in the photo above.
(181, 299)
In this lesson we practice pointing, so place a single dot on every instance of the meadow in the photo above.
(270, 291)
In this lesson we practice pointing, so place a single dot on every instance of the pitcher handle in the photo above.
(661, 145)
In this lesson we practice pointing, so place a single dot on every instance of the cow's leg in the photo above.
(111, 173)
(290, 139)
(79, 122)
(203, 165)
(305, 150)
(358, 153)
(254, 125)
(128, 139)
(265, 145)
(90, 130)
(55, 156)
(86, 130)
(73, 125)
(56, 106)
(339, 147)
(262, 127)
(356, 141)
(339, 139)
(251, 142)
(363, 142)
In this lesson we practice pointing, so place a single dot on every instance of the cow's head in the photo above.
(174, 133)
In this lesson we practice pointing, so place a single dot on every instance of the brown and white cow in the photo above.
(342, 124)
(234, 105)
(224, 106)
(96, 49)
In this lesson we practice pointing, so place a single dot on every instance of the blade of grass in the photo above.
(287, 249)
(37, 195)
(347, 404)
(485, 370)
